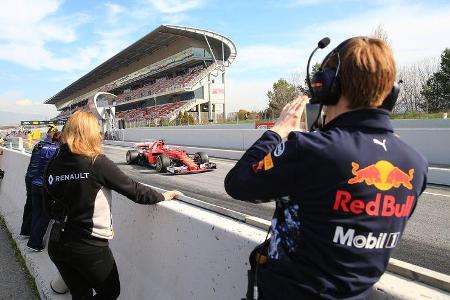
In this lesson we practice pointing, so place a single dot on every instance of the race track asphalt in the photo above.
(425, 242)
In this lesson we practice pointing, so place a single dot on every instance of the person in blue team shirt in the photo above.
(25, 230)
(39, 214)
(343, 193)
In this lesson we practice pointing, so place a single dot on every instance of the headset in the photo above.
(325, 85)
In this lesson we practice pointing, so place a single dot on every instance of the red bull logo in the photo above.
(258, 166)
(266, 163)
(383, 175)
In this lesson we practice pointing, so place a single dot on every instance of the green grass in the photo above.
(20, 259)
(418, 115)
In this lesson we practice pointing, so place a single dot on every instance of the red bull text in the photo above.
(382, 205)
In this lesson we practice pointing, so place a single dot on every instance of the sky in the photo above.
(47, 44)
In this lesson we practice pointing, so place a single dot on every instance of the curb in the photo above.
(34, 263)
(416, 273)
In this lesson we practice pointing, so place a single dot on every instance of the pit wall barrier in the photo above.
(436, 175)
(179, 250)
(433, 143)
(397, 123)
(422, 123)
(235, 139)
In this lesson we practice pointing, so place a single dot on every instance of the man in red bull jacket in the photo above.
(344, 192)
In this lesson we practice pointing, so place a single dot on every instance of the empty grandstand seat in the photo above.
(151, 112)
(163, 85)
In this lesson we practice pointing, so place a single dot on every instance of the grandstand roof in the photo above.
(153, 41)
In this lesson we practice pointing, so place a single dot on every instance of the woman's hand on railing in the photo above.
(170, 195)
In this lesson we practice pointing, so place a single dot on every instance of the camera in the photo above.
(312, 111)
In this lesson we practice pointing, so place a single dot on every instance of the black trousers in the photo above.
(39, 218)
(85, 268)
(26, 219)
(276, 287)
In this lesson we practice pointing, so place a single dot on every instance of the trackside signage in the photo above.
(382, 205)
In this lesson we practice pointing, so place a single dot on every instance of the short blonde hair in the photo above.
(367, 71)
(82, 134)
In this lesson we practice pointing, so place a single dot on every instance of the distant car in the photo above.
(172, 160)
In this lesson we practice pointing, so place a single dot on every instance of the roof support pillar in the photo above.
(210, 49)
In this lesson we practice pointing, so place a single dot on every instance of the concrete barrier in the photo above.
(12, 200)
(172, 250)
(436, 175)
(439, 176)
(15, 143)
(433, 143)
(236, 139)
(215, 126)
(212, 152)
(421, 123)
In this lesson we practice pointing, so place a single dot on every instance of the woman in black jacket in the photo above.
(79, 181)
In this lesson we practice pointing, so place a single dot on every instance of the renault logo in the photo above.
(50, 179)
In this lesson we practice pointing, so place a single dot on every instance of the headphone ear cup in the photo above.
(333, 85)
(317, 84)
(391, 99)
(325, 87)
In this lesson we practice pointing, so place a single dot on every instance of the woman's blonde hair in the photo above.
(82, 134)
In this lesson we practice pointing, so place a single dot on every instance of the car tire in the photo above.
(201, 158)
(162, 163)
(132, 156)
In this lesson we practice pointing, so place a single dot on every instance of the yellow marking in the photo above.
(268, 162)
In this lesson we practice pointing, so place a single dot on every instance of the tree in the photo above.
(282, 93)
(185, 118)
(413, 78)
(437, 88)
(381, 33)
(243, 114)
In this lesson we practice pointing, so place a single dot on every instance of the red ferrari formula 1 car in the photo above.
(165, 159)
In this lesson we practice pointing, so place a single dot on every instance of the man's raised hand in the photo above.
(292, 117)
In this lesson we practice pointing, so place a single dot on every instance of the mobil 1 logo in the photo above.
(349, 237)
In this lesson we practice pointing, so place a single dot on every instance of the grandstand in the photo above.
(172, 69)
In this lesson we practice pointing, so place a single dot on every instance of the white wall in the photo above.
(422, 123)
(12, 200)
(177, 251)
(215, 126)
(433, 143)
(171, 250)
(239, 139)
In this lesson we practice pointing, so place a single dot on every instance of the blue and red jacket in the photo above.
(35, 158)
(42, 153)
(344, 196)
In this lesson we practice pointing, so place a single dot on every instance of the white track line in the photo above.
(437, 194)
(115, 147)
